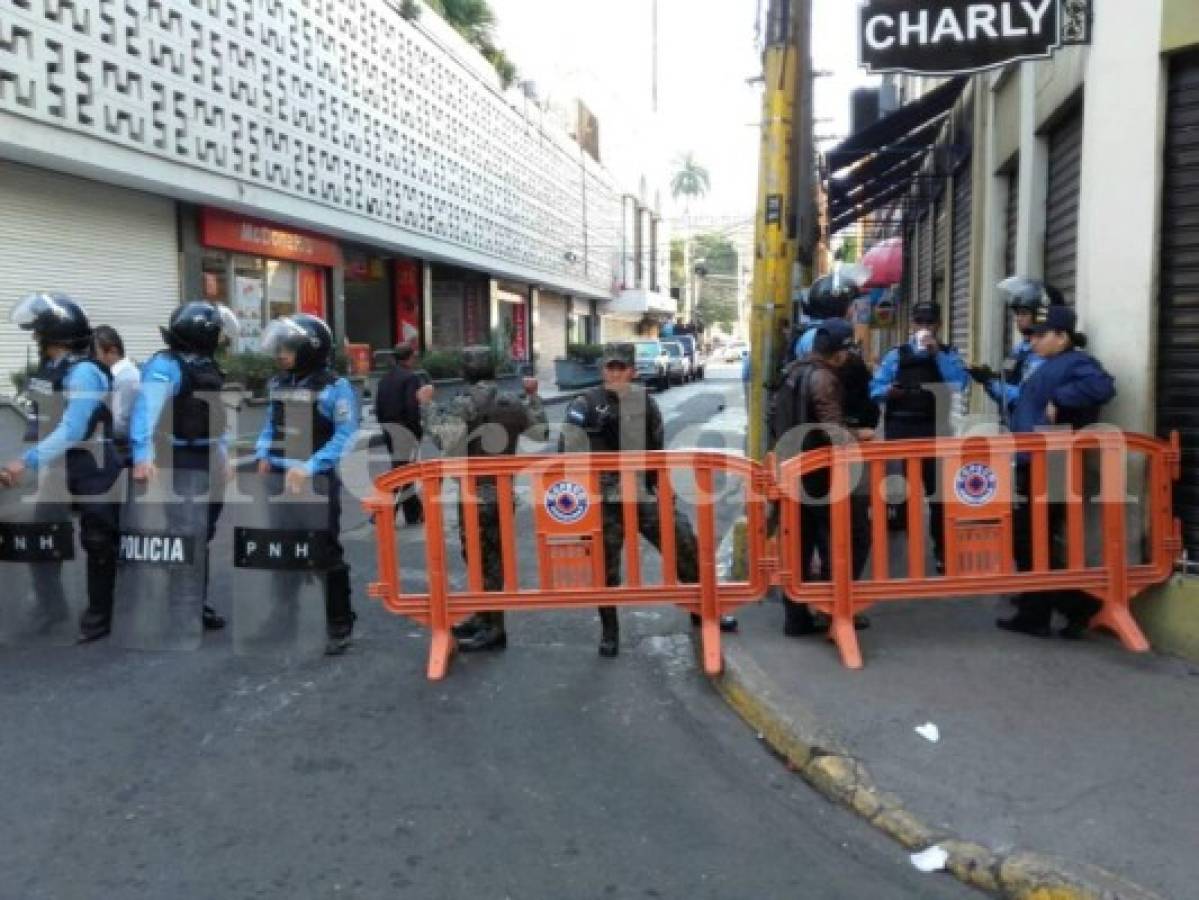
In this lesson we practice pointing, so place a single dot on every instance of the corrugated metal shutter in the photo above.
(550, 337)
(1011, 223)
(927, 240)
(1061, 205)
(940, 241)
(959, 304)
(112, 249)
(1178, 341)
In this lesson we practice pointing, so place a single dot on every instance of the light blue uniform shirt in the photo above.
(949, 363)
(84, 391)
(338, 403)
(162, 379)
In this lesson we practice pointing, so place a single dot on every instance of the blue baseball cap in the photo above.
(1055, 318)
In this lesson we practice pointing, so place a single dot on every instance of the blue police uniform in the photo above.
(328, 412)
(70, 397)
(1078, 387)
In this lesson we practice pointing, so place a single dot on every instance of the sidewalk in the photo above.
(1078, 751)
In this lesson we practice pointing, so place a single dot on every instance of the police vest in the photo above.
(299, 426)
(915, 371)
(1015, 366)
(193, 421)
(499, 421)
(47, 395)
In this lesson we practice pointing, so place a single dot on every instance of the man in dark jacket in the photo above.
(1068, 389)
(396, 406)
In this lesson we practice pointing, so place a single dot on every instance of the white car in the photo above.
(735, 352)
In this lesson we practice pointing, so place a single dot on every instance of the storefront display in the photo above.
(368, 289)
(263, 271)
(459, 311)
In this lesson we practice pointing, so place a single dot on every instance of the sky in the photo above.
(601, 52)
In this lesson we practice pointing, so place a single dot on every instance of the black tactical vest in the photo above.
(47, 394)
(193, 422)
(299, 426)
(915, 371)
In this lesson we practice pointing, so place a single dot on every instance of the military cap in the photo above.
(622, 352)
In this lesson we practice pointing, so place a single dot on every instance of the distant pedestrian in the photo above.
(126, 380)
(396, 405)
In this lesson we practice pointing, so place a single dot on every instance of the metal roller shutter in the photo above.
(940, 240)
(927, 240)
(1011, 224)
(114, 250)
(959, 304)
(1061, 205)
(1178, 340)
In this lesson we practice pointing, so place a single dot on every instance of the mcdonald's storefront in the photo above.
(263, 270)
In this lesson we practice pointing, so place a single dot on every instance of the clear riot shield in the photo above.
(281, 552)
(43, 569)
(162, 561)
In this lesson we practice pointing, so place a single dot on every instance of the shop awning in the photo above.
(875, 166)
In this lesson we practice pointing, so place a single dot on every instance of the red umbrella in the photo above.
(885, 262)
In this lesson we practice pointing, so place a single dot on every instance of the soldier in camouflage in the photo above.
(483, 421)
(620, 416)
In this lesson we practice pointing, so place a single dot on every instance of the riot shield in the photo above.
(162, 561)
(42, 567)
(281, 551)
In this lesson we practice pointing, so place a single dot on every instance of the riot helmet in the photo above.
(830, 296)
(53, 318)
(1030, 294)
(199, 326)
(308, 337)
(478, 364)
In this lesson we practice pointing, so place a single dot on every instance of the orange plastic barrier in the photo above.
(561, 497)
(567, 534)
(978, 492)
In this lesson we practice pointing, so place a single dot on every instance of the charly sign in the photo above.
(952, 37)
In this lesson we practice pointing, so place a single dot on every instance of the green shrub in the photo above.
(584, 353)
(251, 370)
(442, 364)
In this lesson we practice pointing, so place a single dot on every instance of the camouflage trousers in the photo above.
(488, 504)
(649, 525)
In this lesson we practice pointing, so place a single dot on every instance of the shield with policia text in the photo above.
(281, 553)
(162, 561)
(41, 565)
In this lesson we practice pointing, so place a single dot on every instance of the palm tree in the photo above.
(691, 180)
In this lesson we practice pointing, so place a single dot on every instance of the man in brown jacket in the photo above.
(814, 416)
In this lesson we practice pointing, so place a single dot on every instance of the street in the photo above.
(541, 772)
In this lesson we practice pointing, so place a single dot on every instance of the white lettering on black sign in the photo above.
(947, 37)
(264, 548)
(37, 542)
(157, 549)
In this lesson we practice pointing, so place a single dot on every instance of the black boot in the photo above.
(467, 627)
(212, 621)
(339, 614)
(490, 635)
(1033, 615)
(340, 637)
(728, 624)
(609, 645)
(96, 622)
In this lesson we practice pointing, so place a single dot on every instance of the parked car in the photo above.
(692, 352)
(736, 351)
(653, 364)
(679, 366)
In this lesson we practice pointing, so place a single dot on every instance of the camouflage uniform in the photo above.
(485, 421)
(605, 422)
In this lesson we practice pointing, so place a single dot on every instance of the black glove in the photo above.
(983, 374)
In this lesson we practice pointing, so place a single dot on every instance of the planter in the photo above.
(571, 374)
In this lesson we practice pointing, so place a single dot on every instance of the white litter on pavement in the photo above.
(929, 732)
(931, 860)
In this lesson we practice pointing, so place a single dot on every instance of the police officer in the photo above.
(621, 417)
(1067, 390)
(829, 298)
(483, 421)
(906, 383)
(193, 438)
(311, 426)
(1026, 298)
(73, 420)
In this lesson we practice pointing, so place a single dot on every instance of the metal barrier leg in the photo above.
(1115, 615)
(442, 647)
(843, 570)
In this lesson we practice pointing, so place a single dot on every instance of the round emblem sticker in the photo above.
(567, 502)
(976, 484)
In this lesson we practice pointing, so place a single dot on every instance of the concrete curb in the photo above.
(811, 749)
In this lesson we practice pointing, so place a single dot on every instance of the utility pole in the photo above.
(782, 182)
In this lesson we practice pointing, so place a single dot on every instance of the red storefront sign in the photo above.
(520, 332)
(407, 298)
(312, 291)
(229, 231)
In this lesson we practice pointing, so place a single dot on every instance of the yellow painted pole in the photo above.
(774, 252)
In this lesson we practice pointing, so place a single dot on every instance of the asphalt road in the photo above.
(542, 772)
